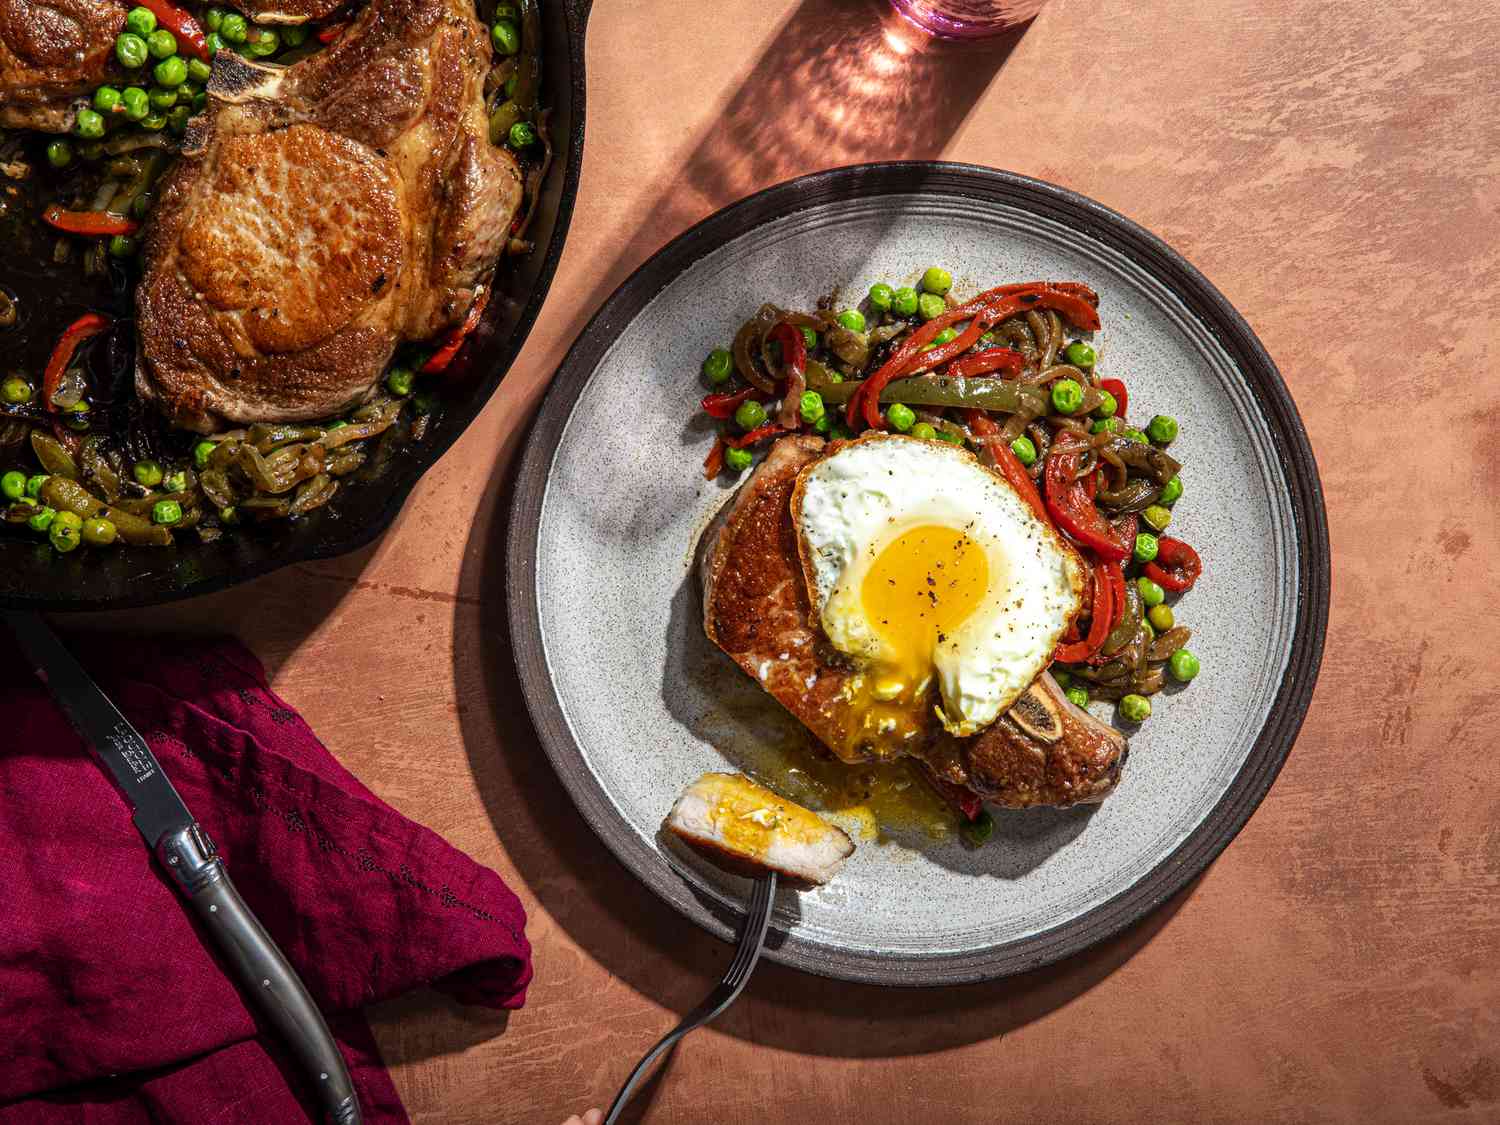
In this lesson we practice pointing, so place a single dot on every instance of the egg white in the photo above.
(867, 493)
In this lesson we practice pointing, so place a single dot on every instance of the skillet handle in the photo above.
(265, 977)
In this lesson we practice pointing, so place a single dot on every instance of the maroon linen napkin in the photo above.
(112, 1008)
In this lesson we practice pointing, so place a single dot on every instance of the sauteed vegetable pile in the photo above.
(1010, 375)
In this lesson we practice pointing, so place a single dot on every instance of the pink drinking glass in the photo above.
(967, 19)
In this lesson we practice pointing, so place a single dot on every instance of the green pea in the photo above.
(937, 280)
(1135, 435)
(166, 512)
(839, 432)
(1078, 696)
(521, 135)
(131, 50)
(1111, 425)
(200, 71)
(1163, 429)
(1135, 708)
(215, 43)
(950, 437)
(1107, 405)
(106, 98)
(1150, 632)
(13, 485)
(1151, 594)
(975, 832)
(508, 12)
(1172, 491)
(852, 319)
(904, 301)
(233, 28)
(924, 430)
(1161, 617)
(177, 120)
(823, 424)
(1183, 665)
(1145, 547)
(1067, 396)
(1024, 449)
(15, 390)
(812, 407)
(140, 21)
(34, 484)
(400, 380)
(162, 98)
(175, 482)
(98, 532)
(89, 124)
(122, 246)
(718, 366)
(171, 72)
(506, 37)
(213, 18)
(137, 103)
(200, 99)
(294, 36)
(901, 416)
(147, 473)
(738, 459)
(41, 519)
(59, 154)
(1063, 677)
(881, 297)
(1157, 516)
(749, 414)
(930, 305)
(65, 531)
(154, 122)
(1079, 354)
(946, 336)
(262, 43)
(161, 43)
(835, 376)
(809, 337)
(229, 515)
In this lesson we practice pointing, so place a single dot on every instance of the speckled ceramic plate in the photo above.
(632, 702)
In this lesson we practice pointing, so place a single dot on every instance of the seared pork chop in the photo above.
(51, 51)
(1043, 751)
(273, 12)
(322, 214)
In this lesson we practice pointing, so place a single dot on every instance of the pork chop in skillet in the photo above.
(1043, 751)
(322, 214)
(52, 51)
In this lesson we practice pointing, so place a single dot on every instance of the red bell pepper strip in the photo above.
(793, 348)
(441, 358)
(984, 429)
(967, 803)
(723, 404)
(1116, 579)
(1176, 566)
(713, 464)
(760, 433)
(84, 328)
(327, 35)
(1074, 512)
(986, 362)
(184, 28)
(1117, 389)
(1101, 616)
(94, 224)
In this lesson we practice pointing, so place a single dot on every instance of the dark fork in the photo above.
(752, 938)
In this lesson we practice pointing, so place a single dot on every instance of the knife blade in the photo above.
(196, 871)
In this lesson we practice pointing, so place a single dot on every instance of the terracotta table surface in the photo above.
(1334, 167)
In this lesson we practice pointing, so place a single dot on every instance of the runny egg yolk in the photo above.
(921, 587)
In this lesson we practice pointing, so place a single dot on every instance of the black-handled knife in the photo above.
(189, 857)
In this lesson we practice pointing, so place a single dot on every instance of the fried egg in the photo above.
(935, 578)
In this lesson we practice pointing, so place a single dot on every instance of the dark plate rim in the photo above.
(1293, 695)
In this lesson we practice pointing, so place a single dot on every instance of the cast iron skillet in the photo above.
(33, 576)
